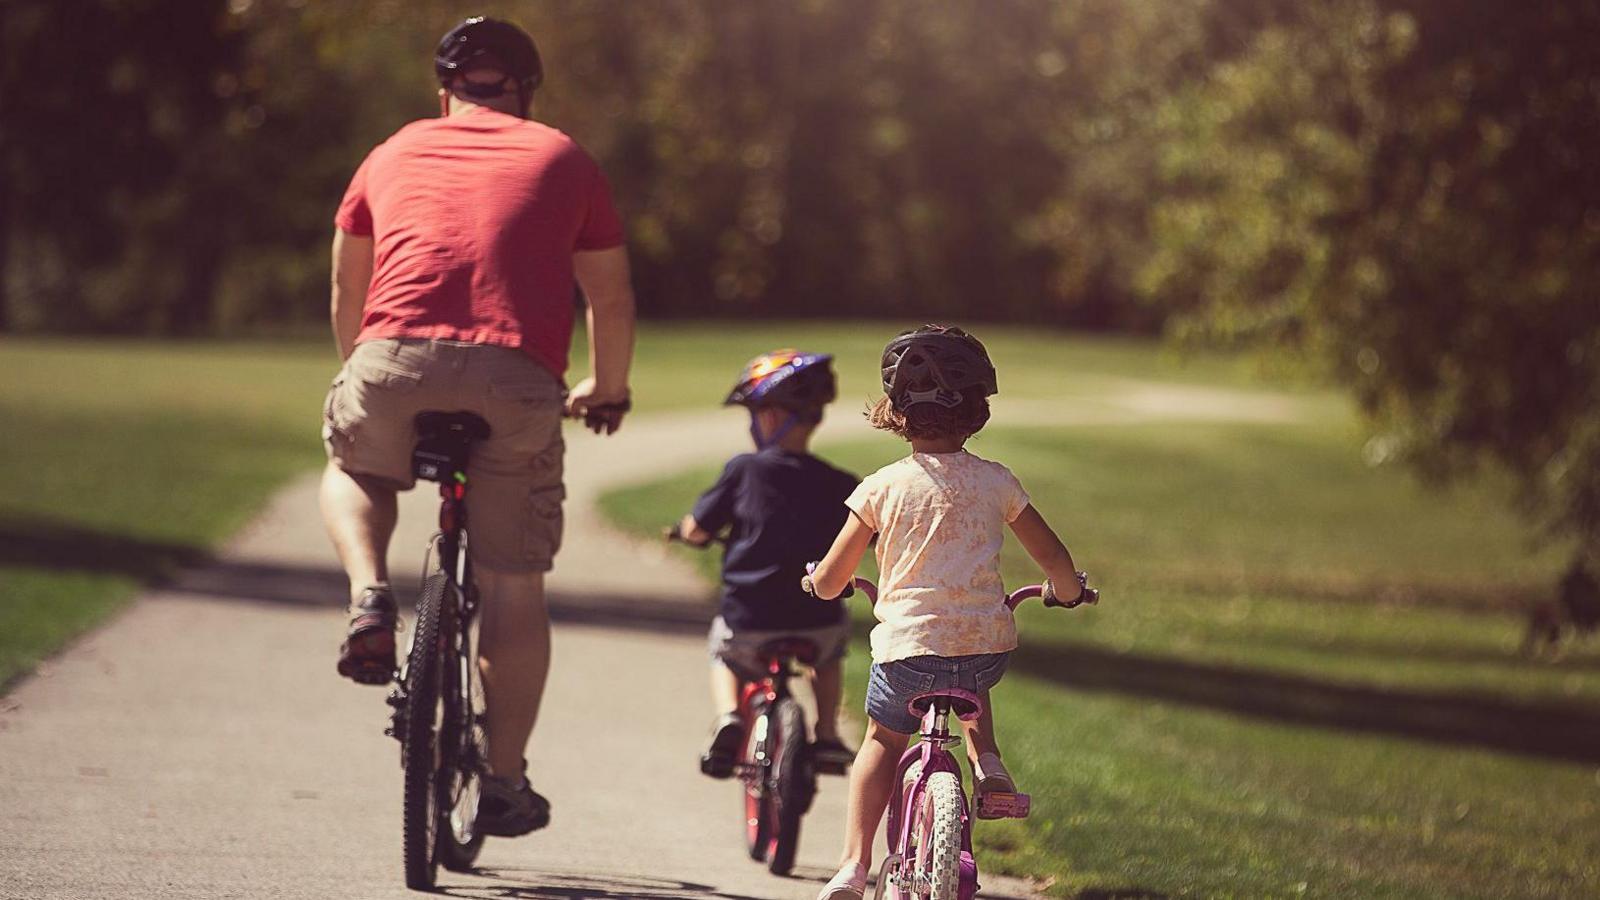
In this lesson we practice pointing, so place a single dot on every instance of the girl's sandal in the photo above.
(997, 796)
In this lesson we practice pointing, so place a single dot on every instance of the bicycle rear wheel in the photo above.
(420, 753)
(466, 757)
(791, 783)
(937, 830)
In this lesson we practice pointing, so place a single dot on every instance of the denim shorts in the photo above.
(891, 685)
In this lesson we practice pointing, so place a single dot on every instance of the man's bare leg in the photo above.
(360, 513)
(514, 658)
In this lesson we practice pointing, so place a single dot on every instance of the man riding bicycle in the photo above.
(454, 259)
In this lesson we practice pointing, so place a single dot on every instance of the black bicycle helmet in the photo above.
(935, 364)
(481, 42)
(785, 378)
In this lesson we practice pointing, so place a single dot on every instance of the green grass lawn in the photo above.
(129, 458)
(1303, 680)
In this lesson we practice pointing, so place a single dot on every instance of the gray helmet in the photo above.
(935, 364)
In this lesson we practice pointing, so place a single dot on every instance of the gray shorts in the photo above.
(737, 649)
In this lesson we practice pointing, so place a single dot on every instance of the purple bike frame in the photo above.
(931, 754)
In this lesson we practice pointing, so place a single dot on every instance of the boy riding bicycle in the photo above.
(943, 622)
(780, 506)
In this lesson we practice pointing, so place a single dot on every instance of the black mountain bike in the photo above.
(438, 703)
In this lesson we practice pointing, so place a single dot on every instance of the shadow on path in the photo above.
(324, 586)
(539, 884)
(1554, 730)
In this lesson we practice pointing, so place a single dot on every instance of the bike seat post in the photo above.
(940, 732)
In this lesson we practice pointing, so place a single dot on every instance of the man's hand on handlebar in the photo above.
(601, 412)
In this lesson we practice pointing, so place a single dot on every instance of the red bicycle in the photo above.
(774, 765)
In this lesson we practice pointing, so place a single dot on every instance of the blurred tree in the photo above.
(106, 157)
(1377, 184)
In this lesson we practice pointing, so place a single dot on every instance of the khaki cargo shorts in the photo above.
(514, 488)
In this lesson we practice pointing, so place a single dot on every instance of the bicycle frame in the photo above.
(756, 699)
(932, 755)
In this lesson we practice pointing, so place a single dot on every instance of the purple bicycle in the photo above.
(929, 827)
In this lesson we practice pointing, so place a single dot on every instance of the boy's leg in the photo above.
(727, 729)
(724, 688)
(827, 682)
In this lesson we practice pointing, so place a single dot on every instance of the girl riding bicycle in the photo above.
(938, 516)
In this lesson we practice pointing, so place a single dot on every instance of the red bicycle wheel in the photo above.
(757, 804)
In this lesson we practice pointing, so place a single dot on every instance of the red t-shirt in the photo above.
(475, 218)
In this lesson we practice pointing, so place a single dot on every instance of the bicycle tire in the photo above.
(757, 801)
(938, 830)
(791, 779)
(459, 841)
(420, 807)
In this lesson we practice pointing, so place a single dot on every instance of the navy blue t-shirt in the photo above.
(782, 510)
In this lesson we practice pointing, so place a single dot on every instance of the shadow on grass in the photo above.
(1391, 650)
(1558, 731)
(47, 544)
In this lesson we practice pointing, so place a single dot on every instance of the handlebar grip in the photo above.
(1088, 594)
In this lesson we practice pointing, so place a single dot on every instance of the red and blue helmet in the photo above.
(788, 379)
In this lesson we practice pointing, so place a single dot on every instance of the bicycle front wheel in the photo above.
(791, 783)
(420, 756)
(937, 830)
(758, 804)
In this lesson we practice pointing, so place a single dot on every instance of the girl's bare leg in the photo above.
(871, 782)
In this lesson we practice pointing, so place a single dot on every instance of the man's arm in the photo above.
(603, 275)
(352, 273)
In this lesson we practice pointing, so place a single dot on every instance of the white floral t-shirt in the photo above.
(940, 519)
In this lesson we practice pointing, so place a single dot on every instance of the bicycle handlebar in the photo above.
(1013, 600)
(675, 534)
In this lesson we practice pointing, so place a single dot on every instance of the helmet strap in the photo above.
(765, 441)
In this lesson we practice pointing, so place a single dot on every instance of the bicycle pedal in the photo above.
(1003, 805)
(830, 767)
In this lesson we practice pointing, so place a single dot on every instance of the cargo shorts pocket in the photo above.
(332, 404)
(542, 534)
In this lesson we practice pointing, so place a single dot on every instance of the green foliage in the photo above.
(1372, 184)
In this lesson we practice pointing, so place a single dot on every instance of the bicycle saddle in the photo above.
(965, 704)
(462, 425)
(782, 648)
(442, 442)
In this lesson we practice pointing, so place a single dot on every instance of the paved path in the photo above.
(200, 745)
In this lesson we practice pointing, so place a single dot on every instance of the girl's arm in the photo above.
(838, 569)
(1047, 550)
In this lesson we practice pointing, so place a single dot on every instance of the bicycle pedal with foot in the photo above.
(1003, 805)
